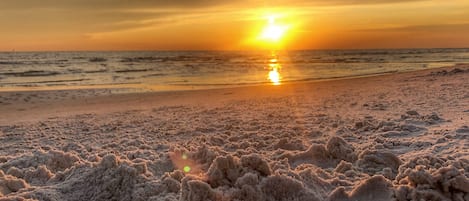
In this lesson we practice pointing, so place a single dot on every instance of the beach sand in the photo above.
(391, 137)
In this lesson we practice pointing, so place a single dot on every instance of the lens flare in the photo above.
(185, 163)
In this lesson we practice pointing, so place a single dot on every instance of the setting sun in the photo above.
(273, 32)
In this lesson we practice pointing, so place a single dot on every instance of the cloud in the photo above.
(107, 4)
(110, 12)
(135, 18)
(98, 15)
(162, 4)
(107, 13)
(319, 3)
(449, 28)
(77, 21)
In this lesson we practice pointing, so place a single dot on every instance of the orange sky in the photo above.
(230, 25)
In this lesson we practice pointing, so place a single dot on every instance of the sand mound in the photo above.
(248, 178)
(39, 167)
(54, 161)
(10, 184)
(283, 188)
(329, 155)
(197, 190)
(109, 179)
(224, 171)
(288, 144)
(375, 162)
(431, 178)
(375, 188)
(339, 149)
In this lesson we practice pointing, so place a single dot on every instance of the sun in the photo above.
(273, 32)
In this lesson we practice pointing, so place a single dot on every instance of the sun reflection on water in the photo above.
(274, 70)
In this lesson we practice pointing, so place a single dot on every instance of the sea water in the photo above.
(185, 70)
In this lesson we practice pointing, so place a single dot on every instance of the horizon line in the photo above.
(234, 50)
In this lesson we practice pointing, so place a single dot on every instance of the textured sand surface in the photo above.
(393, 137)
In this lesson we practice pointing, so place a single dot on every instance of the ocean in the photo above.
(187, 70)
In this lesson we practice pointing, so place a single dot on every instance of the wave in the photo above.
(132, 70)
(96, 71)
(97, 59)
(31, 73)
(192, 58)
(155, 75)
(11, 63)
(48, 81)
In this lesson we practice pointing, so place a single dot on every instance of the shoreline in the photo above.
(144, 88)
(87, 100)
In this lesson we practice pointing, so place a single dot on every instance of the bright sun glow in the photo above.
(273, 31)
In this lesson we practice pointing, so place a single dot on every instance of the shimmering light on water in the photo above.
(274, 68)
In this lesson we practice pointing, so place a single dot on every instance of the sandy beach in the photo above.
(391, 137)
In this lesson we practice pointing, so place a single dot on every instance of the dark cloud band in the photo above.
(155, 4)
